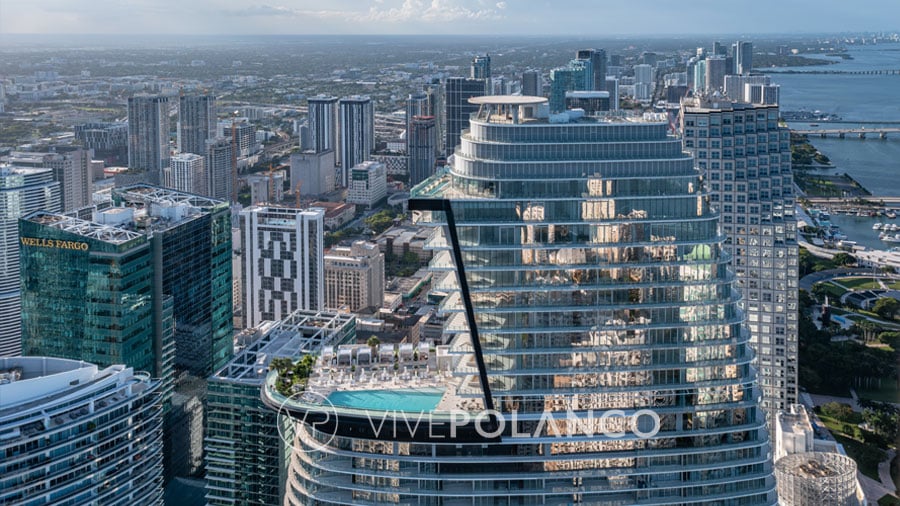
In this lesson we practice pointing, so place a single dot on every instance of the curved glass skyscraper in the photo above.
(594, 313)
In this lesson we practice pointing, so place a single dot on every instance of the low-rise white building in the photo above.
(368, 184)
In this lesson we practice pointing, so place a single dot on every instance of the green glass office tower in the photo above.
(87, 294)
(191, 239)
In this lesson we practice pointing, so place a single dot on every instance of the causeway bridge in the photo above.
(857, 133)
(874, 72)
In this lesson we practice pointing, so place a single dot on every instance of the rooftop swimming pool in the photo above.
(420, 400)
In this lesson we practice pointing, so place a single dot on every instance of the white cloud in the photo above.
(385, 11)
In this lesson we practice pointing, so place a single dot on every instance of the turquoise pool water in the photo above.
(388, 400)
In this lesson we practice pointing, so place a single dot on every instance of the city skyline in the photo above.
(407, 17)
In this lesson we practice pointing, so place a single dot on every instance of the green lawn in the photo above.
(867, 456)
(833, 291)
(859, 283)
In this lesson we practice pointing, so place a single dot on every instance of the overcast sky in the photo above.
(514, 17)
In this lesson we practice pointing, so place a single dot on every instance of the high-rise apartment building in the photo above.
(24, 190)
(186, 173)
(282, 268)
(243, 134)
(357, 126)
(220, 170)
(743, 57)
(368, 184)
(746, 159)
(75, 433)
(246, 451)
(354, 277)
(591, 286)
(532, 83)
(323, 124)
(457, 92)
(574, 77)
(481, 67)
(716, 70)
(597, 57)
(612, 87)
(148, 135)
(71, 168)
(735, 84)
(422, 140)
(312, 173)
(108, 140)
(196, 122)
(416, 105)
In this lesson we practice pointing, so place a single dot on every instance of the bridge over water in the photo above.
(876, 72)
(858, 133)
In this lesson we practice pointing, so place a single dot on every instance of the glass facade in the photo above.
(89, 298)
(192, 254)
(599, 286)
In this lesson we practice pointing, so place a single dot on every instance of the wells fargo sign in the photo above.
(54, 243)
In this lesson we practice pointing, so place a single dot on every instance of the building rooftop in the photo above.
(84, 228)
(300, 333)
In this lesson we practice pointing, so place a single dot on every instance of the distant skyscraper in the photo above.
(574, 77)
(282, 268)
(481, 67)
(612, 86)
(75, 433)
(186, 173)
(643, 81)
(734, 85)
(416, 105)
(716, 69)
(457, 92)
(24, 190)
(746, 159)
(357, 126)
(354, 277)
(586, 294)
(323, 124)
(219, 164)
(699, 81)
(532, 86)
(720, 49)
(71, 168)
(743, 57)
(196, 122)
(597, 57)
(148, 135)
(313, 172)
(422, 140)
(108, 140)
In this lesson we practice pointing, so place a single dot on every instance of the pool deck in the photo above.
(419, 377)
